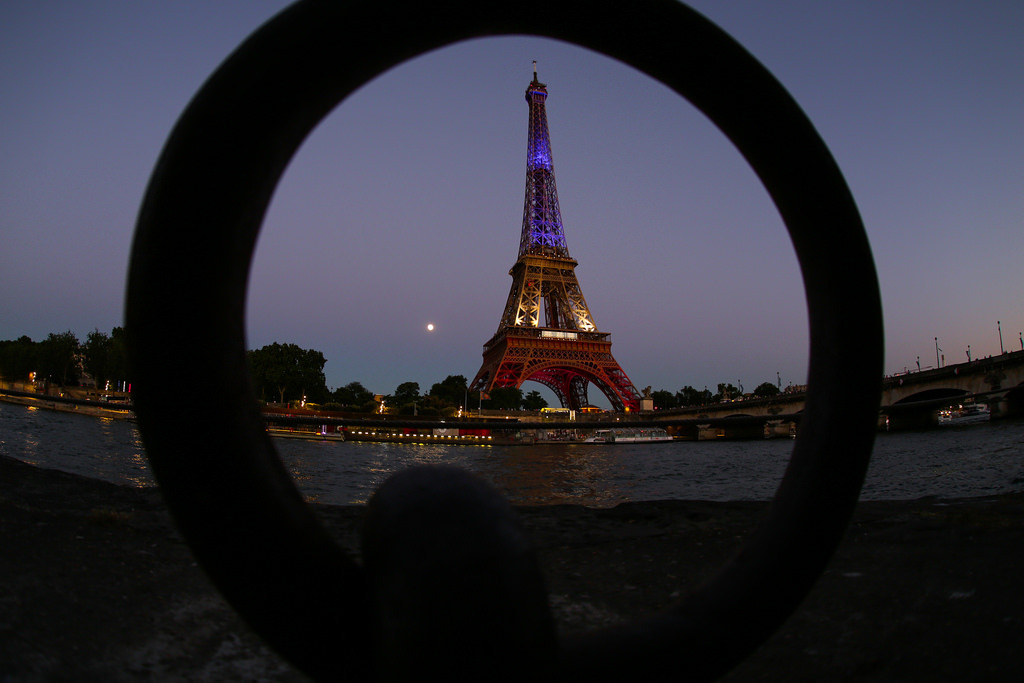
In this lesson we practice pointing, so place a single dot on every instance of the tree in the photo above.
(406, 399)
(58, 358)
(664, 400)
(726, 392)
(354, 397)
(766, 390)
(688, 396)
(119, 357)
(18, 359)
(534, 401)
(290, 371)
(506, 398)
(105, 357)
(434, 405)
(96, 353)
(406, 393)
(449, 392)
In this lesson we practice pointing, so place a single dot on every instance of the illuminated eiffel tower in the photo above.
(563, 350)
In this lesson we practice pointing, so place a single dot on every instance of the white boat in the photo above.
(628, 435)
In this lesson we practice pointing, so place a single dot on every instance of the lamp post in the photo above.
(999, 325)
(937, 352)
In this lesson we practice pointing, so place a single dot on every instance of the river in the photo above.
(950, 462)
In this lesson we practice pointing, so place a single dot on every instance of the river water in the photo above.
(949, 462)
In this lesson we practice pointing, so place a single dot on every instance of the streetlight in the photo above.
(1000, 326)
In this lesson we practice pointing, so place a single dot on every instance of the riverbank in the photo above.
(96, 584)
(68, 404)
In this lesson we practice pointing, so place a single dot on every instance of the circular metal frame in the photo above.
(193, 248)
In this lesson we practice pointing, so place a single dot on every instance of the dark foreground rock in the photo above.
(96, 585)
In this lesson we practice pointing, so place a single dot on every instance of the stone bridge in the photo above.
(909, 400)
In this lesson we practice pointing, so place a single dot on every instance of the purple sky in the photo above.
(404, 207)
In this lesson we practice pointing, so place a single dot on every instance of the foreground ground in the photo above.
(96, 585)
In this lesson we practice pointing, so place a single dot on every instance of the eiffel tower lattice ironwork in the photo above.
(562, 350)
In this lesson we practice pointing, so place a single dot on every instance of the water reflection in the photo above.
(596, 476)
(82, 444)
(557, 473)
(981, 459)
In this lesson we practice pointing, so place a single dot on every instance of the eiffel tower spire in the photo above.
(563, 350)
(542, 221)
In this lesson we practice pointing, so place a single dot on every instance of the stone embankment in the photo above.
(96, 584)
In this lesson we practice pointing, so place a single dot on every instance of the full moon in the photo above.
(430, 327)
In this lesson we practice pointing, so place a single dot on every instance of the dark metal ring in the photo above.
(193, 248)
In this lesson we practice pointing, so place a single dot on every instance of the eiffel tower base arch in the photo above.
(564, 365)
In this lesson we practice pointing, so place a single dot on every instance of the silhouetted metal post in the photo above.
(999, 325)
(385, 618)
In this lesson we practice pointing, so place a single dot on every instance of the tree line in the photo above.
(288, 374)
(63, 360)
(689, 397)
(281, 373)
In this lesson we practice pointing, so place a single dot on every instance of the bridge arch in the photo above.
(933, 395)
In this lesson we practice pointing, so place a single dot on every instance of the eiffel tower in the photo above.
(563, 351)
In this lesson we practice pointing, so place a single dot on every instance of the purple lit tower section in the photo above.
(542, 221)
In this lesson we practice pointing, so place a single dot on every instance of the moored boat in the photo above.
(967, 413)
(628, 435)
(321, 434)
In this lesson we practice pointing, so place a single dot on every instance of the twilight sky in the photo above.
(404, 207)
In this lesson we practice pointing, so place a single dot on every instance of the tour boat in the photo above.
(628, 435)
(964, 414)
